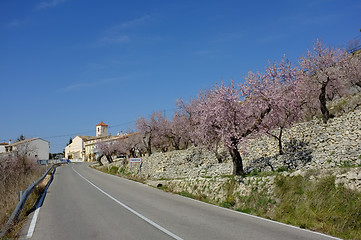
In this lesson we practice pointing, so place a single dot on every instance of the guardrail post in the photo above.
(20, 195)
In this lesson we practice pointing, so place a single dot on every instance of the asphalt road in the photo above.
(82, 203)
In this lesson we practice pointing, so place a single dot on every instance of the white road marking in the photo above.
(33, 223)
(131, 210)
(35, 216)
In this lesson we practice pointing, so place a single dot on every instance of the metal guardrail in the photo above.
(15, 215)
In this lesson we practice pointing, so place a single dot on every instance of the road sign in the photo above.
(135, 160)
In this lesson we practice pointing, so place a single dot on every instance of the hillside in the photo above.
(317, 157)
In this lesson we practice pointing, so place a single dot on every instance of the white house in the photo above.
(34, 147)
(83, 148)
(75, 150)
(2, 147)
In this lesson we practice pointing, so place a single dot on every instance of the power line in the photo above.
(91, 131)
(84, 132)
(121, 124)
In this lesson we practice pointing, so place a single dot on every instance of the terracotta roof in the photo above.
(102, 124)
(4, 143)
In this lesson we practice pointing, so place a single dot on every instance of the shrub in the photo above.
(17, 172)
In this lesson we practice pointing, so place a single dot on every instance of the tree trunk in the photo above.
(109, 158)
(280, 149)
(237, 162)
(279, 139)
(99, 160)
(218, 156)
(324, 110)
(149, 146)
(176, 142)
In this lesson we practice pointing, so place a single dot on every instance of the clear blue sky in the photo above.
(66, 65)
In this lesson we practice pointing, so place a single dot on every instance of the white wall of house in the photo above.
(2, 148)
(34, 147)
(75, 149)
(39, 149)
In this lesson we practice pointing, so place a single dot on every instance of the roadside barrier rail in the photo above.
(24, 196)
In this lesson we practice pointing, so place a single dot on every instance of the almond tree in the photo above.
(135, 145)
(151, 131)
(274, 92)
(352, 70)
(106, 149)
(162, 132)
(145, 129)
(177, 131)
(206, 134)
(321, 76)
(223, 116)
(120, 146)
(188, 112)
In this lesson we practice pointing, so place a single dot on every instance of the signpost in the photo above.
(135, 161)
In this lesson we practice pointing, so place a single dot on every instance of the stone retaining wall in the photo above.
(330, 147)
(336, 143)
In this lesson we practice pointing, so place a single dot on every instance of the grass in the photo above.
(316, 205)
(320, 206)
(14, 230)
(200, 197)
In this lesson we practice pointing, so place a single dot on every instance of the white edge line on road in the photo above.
(33, 223)
(131, 210)
(36, 213)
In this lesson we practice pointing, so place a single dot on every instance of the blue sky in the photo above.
(66, 65)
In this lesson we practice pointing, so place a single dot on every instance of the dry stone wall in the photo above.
(330, 148)
(335, 144)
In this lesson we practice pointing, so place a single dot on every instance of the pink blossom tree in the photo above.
(152, 131)
(275, 93)
(120, 146)
(180, 134)
(146, 130)
(352, 70)
(321, 78)
(162, 132)
(224, 117)
(106, 149)
(188, 113)
(205, 134)
(135, 145)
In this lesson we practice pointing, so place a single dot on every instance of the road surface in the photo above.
(82, 203)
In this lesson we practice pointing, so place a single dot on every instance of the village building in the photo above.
(83, 148)
(36, 148)
(75, 150)
(2, 147)
(101, 129)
